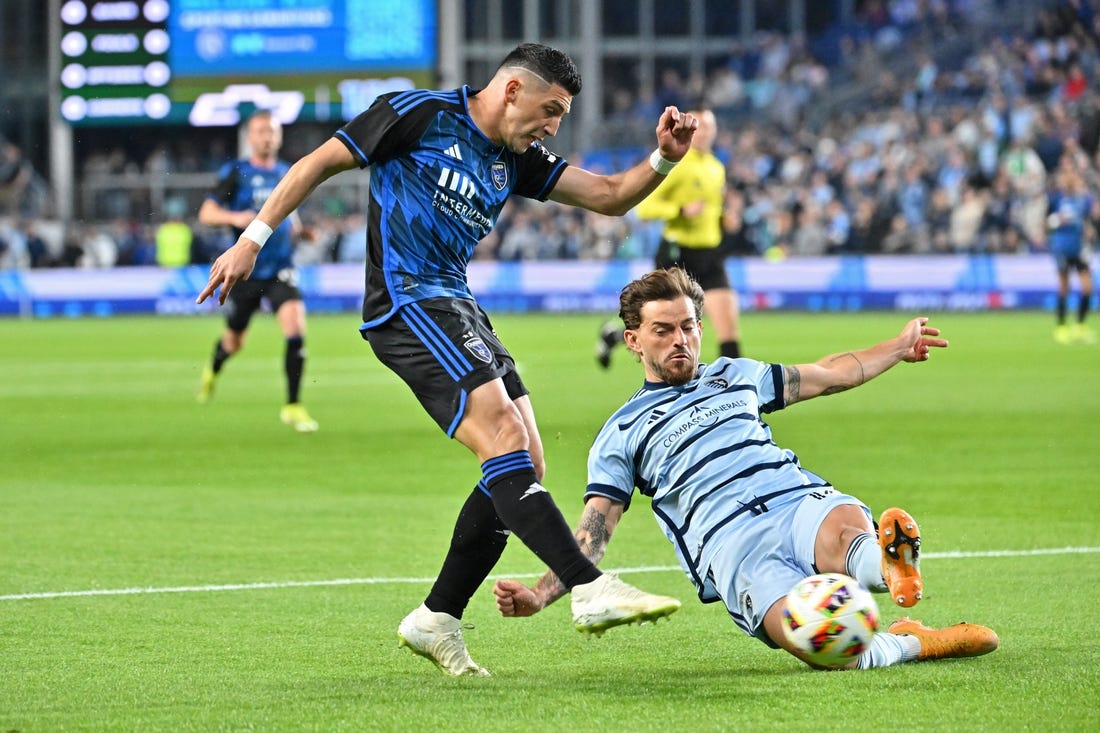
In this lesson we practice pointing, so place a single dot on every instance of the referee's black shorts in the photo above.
(444, 348)
(706, 266)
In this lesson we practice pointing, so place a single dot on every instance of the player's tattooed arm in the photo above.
(850, 369)
(792, 384)
(592, 535)
(832, 374)
(849, 374)
(600, 517)
(549, 588)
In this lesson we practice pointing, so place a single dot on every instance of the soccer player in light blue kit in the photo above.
(747, 521)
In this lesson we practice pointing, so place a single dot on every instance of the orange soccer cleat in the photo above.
(899, 538)
(960, 640)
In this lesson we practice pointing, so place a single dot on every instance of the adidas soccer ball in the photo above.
(831, 618)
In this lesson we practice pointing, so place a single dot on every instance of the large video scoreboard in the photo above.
(203, 62)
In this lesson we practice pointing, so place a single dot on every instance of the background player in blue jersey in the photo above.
(746, 519)
(242, 188)
(443, 163)
(1071, 208)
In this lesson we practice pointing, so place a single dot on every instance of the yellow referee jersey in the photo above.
(698, 177)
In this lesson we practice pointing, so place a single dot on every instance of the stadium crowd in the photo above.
(926, 128)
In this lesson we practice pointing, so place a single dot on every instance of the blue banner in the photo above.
(906, 283)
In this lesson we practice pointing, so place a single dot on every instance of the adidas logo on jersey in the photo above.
(454, 152)
(455, 181)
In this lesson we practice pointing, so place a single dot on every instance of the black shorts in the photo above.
(1067, 262)
(247, 296)
(444, 348)
(706, 266)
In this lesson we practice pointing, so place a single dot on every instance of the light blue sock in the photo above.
(887, 649)
(864, 562)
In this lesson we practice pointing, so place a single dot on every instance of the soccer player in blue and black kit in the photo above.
(747, 521)
(1070, 209)
(443, 163)
(242, 188)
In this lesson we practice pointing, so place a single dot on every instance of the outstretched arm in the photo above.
(840, 372)
(617, 194)
(213, 214)
(600, 517)
(236, 263)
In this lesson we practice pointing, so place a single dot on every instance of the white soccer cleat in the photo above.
(607, 602)
(438, 637)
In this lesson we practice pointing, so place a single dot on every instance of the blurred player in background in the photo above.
(747, 520)
(1070, 210)
(242, 188)
(443, 164)
(690, 202)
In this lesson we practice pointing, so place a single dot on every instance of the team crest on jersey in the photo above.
(746, 602)
(478, 348)
(499, 174)
(716, 383)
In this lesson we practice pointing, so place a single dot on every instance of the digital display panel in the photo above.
(207, 62)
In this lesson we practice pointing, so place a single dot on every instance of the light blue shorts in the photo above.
(761, 558)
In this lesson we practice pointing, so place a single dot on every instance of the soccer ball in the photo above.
(831, 618)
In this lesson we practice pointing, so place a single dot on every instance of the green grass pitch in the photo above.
(114, 478)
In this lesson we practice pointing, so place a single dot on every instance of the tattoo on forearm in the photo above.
(592, 537)
(549, 587)
(859, 379)
(794, 382)
(859, 364)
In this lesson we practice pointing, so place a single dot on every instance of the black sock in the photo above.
(731, 349)
(220, 355)
(294, 363)
(529, 511)
(476, 545)
(1083, 307)
(1060, 310)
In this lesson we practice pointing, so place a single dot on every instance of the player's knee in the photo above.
(841, 526)
(233, 343)
(511, 433)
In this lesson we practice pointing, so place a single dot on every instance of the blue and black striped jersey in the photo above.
(1073, 212)
(437, 186)
(242, 186)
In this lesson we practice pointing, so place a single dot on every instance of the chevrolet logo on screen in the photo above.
(223, 108)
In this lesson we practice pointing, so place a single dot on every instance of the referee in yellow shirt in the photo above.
(690, 203)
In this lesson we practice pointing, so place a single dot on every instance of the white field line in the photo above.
(951, 555)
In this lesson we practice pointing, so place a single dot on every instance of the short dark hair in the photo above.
(667, 284)
(549, 63)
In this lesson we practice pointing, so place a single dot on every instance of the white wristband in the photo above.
(258, 232)
(660, 164)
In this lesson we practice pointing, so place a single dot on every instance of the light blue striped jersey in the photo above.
(704, 456)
